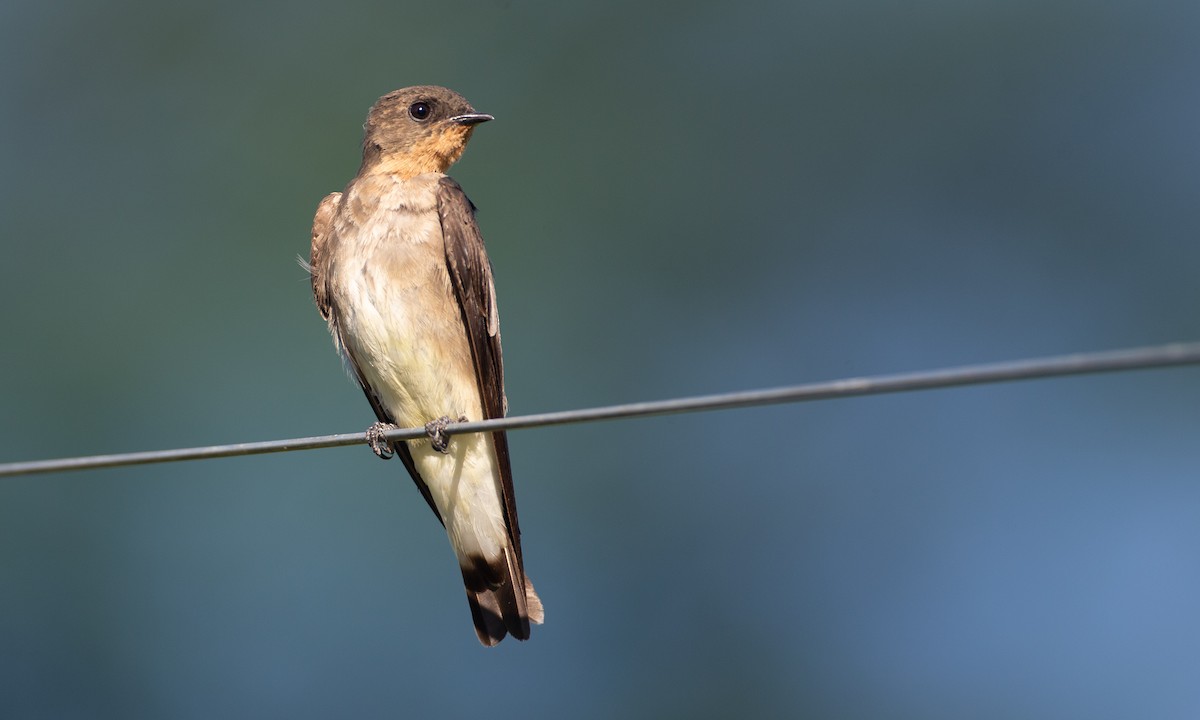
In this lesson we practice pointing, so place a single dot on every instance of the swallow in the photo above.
(400, 274)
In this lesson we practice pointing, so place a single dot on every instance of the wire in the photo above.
(1159, 356)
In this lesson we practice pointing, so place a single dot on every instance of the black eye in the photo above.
(419, 110)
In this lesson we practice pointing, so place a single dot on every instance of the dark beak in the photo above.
(471, 118)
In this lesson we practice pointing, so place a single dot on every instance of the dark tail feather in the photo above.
(500, 606)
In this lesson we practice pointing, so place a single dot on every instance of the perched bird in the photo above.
(400, 273)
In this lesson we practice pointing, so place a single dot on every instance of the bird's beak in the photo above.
(471, 119)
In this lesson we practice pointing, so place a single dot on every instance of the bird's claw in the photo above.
(436, 430)
(377, 439)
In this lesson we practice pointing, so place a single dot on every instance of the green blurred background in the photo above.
(678, 198)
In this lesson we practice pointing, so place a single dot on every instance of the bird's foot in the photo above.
(377, 439)
(436, 430)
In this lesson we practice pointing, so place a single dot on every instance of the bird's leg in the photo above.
(377, 439)
(436, 430)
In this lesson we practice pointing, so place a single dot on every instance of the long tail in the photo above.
(501, 597)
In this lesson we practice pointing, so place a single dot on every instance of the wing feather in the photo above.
(471, 277)
(318, 257)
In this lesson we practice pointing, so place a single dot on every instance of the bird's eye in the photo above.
(419, 110)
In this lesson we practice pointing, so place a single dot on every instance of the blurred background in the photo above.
(678, 199)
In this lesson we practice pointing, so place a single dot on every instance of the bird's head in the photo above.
(418, 130)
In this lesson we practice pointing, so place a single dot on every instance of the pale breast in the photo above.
(396, 307)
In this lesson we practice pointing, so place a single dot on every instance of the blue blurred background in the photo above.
(678, 199)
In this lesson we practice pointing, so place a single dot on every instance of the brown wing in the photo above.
(471, 276)
(319, 254)
(318, 262)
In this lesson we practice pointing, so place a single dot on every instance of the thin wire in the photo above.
(1159, 356)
